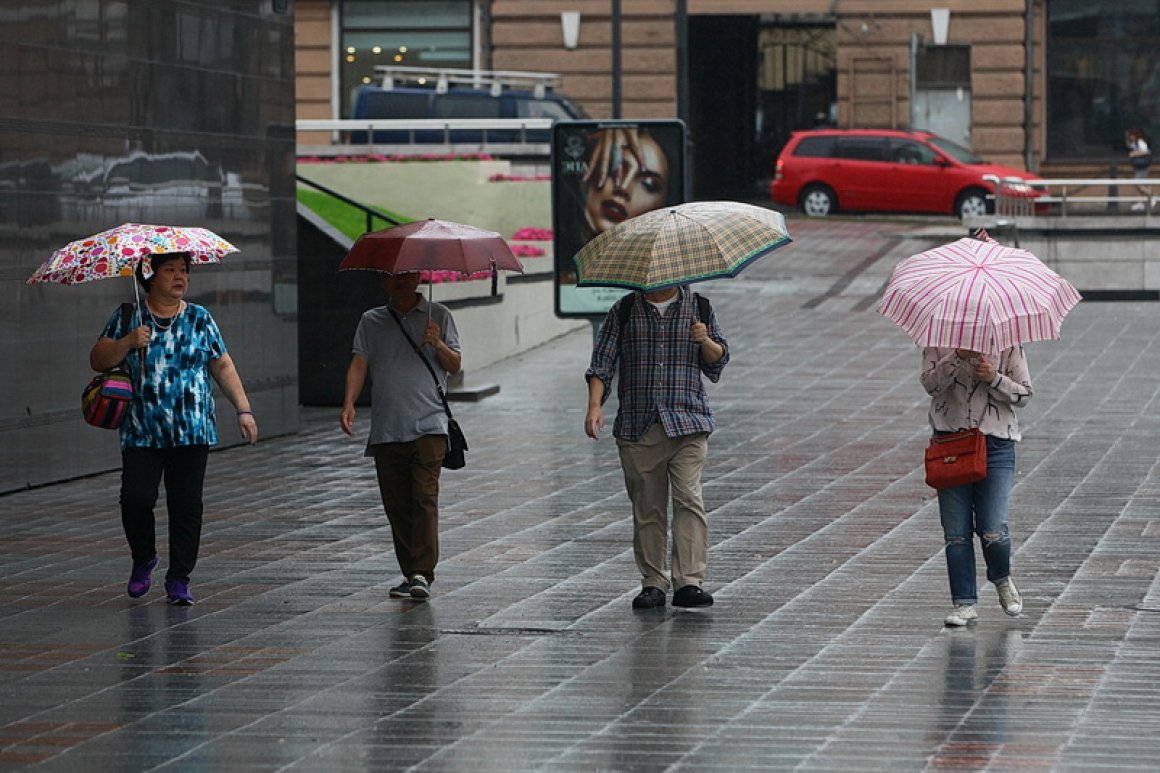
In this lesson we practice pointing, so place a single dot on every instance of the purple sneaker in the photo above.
(141, 578)
(178, 593)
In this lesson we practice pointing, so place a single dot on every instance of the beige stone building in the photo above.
(1050, 86)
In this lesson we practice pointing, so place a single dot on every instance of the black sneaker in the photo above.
(649, 598)
(692, 596)
(402, 590)
(420, 588)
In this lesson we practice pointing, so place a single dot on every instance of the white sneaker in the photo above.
(963, 614)
(1009, 597)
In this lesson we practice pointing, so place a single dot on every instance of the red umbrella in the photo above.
(978, 295)
(432, 245)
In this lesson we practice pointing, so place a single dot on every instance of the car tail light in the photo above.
(777, 170)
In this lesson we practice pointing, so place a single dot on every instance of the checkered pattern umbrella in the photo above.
(676, 245)
(117, 251)
(977, 294)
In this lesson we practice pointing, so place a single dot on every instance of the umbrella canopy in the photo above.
(675, 245)
(431, 245)
(117, 251)
(978, 295)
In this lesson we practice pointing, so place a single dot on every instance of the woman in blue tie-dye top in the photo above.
(171, 422)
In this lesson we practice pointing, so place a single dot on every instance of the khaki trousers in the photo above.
(408, 475)
(652, 466)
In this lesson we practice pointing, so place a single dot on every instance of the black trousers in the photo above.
(183, 468)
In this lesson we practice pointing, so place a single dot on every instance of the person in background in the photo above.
(1140, 157)
(171, 421)
(662, 431)
(408, 435)
(969, 389)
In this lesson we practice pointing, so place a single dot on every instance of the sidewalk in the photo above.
(825, 650)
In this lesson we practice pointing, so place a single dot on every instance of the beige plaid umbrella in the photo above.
(676, 245)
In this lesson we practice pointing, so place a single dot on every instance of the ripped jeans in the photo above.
(979, 508)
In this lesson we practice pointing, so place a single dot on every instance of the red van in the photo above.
(822, 171)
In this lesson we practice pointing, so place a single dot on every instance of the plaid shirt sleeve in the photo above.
(605, 352)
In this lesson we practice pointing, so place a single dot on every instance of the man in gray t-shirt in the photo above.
(408, 436)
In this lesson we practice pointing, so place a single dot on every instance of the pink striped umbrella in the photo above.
(977, 294)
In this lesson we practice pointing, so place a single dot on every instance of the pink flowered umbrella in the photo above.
(977, 294)
(117, 251)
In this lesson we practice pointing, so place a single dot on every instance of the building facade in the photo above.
(113, 112)
(1049, 86)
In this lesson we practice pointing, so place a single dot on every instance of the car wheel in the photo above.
(818, 201)
(971, 203)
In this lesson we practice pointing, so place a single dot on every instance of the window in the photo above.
(943, 67)
(392, 104)
(815, 147)
(452, 105)
(909, 152)
(862, 148)
(406, 33)
(1103, 76)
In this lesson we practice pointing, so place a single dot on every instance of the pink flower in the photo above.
(528, 234)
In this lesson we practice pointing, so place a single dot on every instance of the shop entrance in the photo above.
(752, 81)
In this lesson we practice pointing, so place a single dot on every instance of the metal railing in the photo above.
(511, 135)
(1016, 197)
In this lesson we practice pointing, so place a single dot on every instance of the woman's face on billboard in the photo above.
(633, 178)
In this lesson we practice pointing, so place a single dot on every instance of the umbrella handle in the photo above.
(140, 321)
(494, 279)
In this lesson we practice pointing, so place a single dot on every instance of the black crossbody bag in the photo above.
(454, 459)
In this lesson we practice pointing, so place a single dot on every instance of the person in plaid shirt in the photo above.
(662, 429)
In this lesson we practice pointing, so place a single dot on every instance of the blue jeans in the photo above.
(979, 508)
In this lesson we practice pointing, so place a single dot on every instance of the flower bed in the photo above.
(379, 158)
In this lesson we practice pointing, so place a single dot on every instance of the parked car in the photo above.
(401, 101)
(823, 171)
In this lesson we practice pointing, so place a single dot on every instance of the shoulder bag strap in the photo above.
(419, 354)
(126, 329)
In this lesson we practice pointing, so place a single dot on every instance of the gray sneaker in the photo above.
(1009, 597)
(963, 614)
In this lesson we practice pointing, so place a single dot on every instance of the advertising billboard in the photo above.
(605, 172)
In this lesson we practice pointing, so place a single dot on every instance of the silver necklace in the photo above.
(157, 325)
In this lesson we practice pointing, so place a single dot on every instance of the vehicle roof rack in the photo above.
(444, 77)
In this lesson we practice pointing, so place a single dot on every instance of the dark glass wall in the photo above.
(1103, 76)
(178, 112)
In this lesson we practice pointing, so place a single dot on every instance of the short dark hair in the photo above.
(156, 262)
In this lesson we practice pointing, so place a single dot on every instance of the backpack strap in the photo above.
(704, 308)
(624, 308)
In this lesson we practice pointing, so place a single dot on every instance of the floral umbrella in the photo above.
(117, 251)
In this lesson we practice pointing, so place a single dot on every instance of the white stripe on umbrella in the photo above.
(978, 295)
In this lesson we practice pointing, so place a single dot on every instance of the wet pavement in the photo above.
(825, 650)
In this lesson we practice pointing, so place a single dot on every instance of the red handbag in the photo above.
(956, 459)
